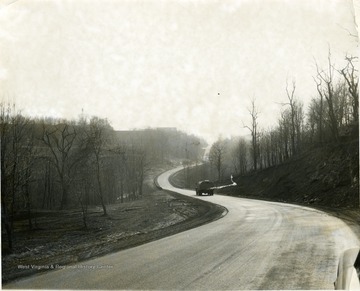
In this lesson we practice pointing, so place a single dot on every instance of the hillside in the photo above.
(327, 175)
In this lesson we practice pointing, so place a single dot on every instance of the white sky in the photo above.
(163, 63)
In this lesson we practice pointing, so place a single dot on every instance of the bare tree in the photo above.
(120, 159)
(291, 98)
(83, 178)
(265, 145)
(216, 157)
(341, 104)
(276, 153)
(285, 134)
(316, 119)
(142, 168)
(97, 139)
(295, 116)
(299, 124)
(254, 132)
(240, 159)
(15, 163)
(325, 87)
(350, 75)
(27, 162)
(60, 141)
(82, 190)
(48, 198)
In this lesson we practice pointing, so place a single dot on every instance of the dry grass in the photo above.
(60, 237)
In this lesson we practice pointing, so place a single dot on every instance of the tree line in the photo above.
(58, 164)
(332, 116)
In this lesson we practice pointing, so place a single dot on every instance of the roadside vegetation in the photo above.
(55, 166)
(310, 157)
(60, 238)
(331, 118)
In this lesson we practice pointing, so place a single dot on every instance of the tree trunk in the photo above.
(8, 229)
(122, 191)
(100, 187)
(64, 197)
(28, 204)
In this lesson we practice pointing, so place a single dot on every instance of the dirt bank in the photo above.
(325, 177)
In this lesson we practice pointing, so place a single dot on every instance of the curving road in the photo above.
(256, 245)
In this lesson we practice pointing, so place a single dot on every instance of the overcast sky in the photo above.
(188, 64)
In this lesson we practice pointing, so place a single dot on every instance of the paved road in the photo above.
(257, 245)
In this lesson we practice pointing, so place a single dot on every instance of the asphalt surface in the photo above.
(256, 245)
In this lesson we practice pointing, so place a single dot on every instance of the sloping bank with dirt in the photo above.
(60, 238)
(325, 177)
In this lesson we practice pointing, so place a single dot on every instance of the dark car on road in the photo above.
(205, 186)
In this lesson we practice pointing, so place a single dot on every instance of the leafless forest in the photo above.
(332, 117)
(59, 164)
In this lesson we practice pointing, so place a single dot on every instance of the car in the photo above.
(205, 187)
